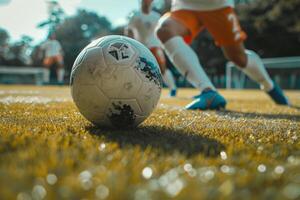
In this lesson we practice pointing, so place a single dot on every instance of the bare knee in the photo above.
(170, 28)
(164, 32)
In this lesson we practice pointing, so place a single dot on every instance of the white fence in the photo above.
(21, 74)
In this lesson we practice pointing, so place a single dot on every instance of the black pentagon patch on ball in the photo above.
(120, 51)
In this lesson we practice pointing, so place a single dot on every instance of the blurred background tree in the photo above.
(4, 37)
(18, 53)
(56, 16)
(73, 32)
(273, 27)
(77, 31)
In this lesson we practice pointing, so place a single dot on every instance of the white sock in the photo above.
(60, 75)
(169, 79)
(187, 62)
(256, 70)
(46, 75)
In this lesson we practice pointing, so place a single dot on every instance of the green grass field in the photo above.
(48, 150)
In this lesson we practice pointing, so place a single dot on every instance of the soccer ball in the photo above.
(116, 81)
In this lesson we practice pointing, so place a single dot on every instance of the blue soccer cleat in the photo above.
(207, 100)
(173, 93)
(277, 95)
(196, 96)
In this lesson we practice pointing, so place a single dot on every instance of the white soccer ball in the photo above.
(116, 81)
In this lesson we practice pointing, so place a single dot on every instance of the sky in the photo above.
(21, 17)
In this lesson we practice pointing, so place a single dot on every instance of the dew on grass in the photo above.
(190, 170)
(261, 168)
(187, 167)
(279, 169)
(84, 175)
(101, 147)
(205, 174)
(175, 187)
(102, 192)
(260, 149)
(39, 192)
(23, 196)
(51, 179)
(227, 169)
(147, 172)
(223, 155)
(85, 180)
(171, 183)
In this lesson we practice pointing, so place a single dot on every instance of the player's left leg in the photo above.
(225, 28)
(60, 70)
(166, 73)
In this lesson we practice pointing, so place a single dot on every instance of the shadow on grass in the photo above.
(251, 115)
(162, 139)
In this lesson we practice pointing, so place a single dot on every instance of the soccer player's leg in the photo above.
(166, 73)
(171, 30)
(47, 62)
(60, 70)
(255, 69)
(170, 81)
(229, 35)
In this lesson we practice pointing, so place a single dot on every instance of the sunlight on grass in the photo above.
(48, 150)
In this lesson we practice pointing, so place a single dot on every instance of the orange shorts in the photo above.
(48, 61)
(159, 55)
(222, 24)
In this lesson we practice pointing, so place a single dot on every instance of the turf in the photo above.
(48, 150)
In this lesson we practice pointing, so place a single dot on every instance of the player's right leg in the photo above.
(171, 32)
(60, 70)
(46, 71)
